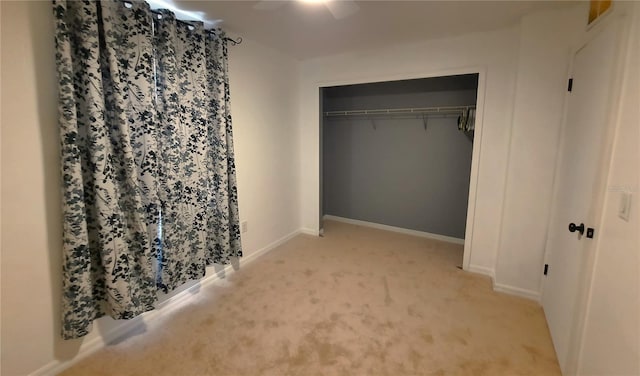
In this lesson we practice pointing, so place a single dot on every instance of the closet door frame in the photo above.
(477, 139)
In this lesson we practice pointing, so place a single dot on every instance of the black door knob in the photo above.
(574, 228)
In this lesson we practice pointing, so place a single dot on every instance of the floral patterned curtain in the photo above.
(199, 199)
(149, 190)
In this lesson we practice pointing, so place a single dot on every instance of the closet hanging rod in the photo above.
(401, 111)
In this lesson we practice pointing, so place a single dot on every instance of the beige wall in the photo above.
(264, 105)
(31, 230)
(611, 342)
(264, 109)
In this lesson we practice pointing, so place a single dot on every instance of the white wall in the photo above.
(611, 341)
(264, 103)
(493, 52)
(264, 106)
(546, 42)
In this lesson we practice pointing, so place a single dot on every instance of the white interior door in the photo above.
(583, 145)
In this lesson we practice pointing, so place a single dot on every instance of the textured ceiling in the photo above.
(309, 30)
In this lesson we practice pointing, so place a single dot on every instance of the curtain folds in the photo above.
(199, 199)
(149, 190)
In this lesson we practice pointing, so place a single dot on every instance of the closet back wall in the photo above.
(398, 174)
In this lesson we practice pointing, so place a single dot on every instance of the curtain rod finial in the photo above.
(235, 42)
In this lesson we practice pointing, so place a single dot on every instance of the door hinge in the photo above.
(546, 268)
(570, 85)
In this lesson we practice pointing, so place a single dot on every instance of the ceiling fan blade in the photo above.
(342, 8)
(269, 4)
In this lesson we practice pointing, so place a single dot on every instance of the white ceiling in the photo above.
(309, 30)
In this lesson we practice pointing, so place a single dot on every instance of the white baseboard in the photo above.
(499, 287)
(379, 226)
(127, 326)
(308, 231)
(517, 291)
(482, 270)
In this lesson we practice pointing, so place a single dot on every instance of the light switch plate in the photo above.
(624, 210)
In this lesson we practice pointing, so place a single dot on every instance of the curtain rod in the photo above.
(234, 42)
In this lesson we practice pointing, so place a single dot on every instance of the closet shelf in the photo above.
(402, 111)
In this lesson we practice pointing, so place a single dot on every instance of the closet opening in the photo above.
(398, 154)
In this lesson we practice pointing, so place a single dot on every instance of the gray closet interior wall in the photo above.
(390, 170)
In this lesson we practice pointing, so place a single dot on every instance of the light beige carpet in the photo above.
(359, 301)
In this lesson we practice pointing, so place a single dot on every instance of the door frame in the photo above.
(621, 22)
(321, 162)
(481, 71)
